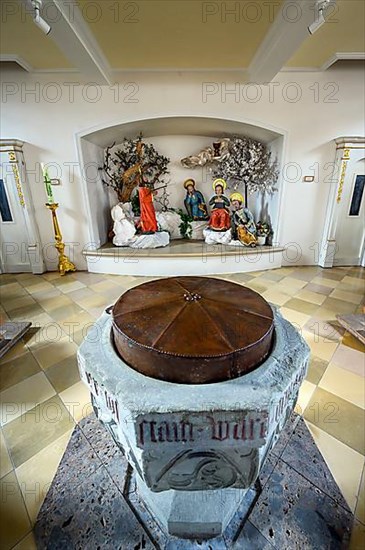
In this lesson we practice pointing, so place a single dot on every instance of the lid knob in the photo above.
(192, 296)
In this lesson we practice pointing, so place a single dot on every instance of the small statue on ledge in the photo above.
(148, 220)
(243, 225)
(219, 218)
(195, 202)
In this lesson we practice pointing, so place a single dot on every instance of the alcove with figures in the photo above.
(176, 138)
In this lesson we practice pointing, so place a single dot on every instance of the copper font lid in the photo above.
(192, 330)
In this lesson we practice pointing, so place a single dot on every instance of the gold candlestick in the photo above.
(64, 263)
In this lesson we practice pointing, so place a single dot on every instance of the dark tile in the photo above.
(334, 275)
(117, 467)
(184, 544)
(268, 468)
(357, 274)
(339, 306)
(64, 374)
(292, 513)
(106, 449)
(7, 278)
(271, 276)
(306, 274)
(320, 289)
(337, 417)
(302, 306)
(251, 538)
(285, 434)
(28, 434)
(99, 438)
(78, 463)
(316, 370)
(90, 515)
(26, 312)
(18, 369)
(89, 278)
(160, 538)
(302, 454)
(90, 502)
(241, 515)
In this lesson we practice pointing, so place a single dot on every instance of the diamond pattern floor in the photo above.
(42, 398)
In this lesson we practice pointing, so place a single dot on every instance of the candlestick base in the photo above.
(64, 263)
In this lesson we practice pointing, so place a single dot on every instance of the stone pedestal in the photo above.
(192, 514)
(196, 449)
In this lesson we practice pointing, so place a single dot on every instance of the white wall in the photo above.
(46, 111)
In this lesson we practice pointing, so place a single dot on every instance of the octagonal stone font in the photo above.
(192, 439)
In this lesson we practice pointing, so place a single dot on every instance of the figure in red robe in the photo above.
(219, 218)
(148, 216)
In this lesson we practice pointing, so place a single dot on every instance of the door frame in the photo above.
(349, 150)
(14, 150)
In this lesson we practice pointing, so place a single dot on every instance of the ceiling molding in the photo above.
(282, 40)
(338, 56)
(14, 58)
(73, 37)
(57, 71)
(119, 70)
(300, 70)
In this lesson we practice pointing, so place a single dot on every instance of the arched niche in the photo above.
(92, 143)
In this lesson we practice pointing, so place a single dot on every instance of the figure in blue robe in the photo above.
(195, 202)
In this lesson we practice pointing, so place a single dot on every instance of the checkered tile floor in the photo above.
(42, 397)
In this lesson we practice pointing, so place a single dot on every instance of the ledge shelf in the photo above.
(182, 258)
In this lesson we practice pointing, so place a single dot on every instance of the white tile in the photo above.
(36, 474)
(305, 393)
(77, 401)
(345, 384)
(345, 464)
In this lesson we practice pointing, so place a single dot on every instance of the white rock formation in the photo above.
(217, 237)
(155, 240)
(124, 228)
(198, 230)
(169, 221)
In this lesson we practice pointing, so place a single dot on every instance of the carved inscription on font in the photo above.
(248, 426)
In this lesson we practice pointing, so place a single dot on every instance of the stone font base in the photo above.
(93, 501)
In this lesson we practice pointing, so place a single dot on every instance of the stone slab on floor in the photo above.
(93, 502)
(355, 324)
(10, 333)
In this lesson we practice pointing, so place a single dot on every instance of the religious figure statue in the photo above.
(243, 225)
(217, 153)
(195, 202)
(148, 220)
(219, 218)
